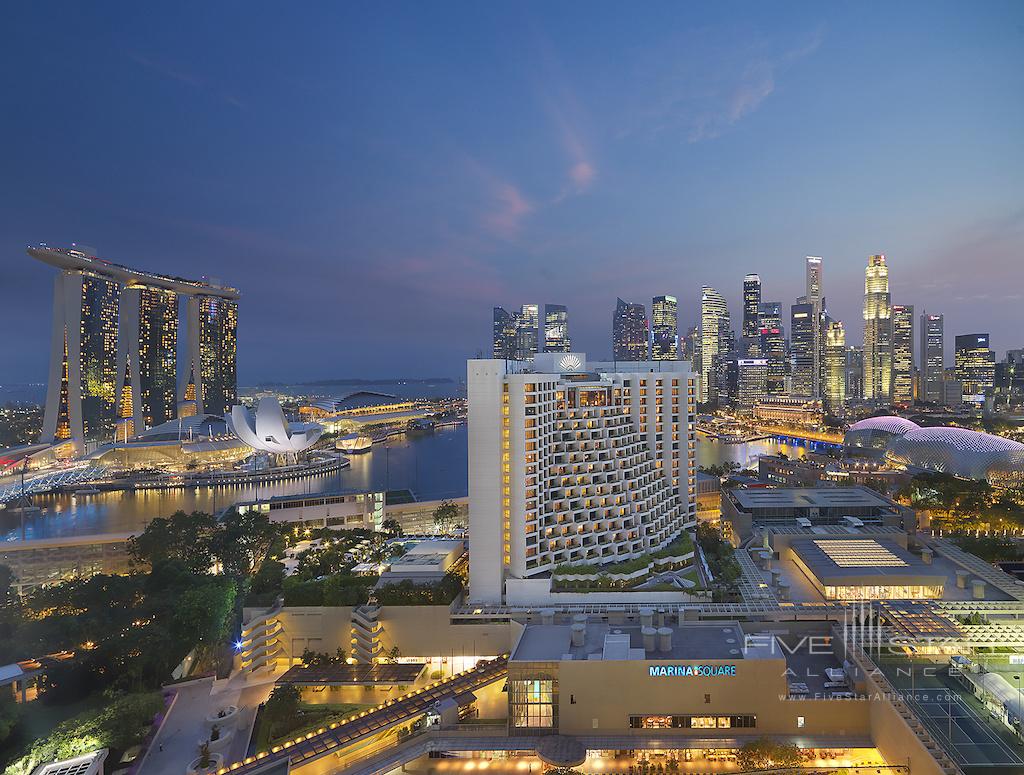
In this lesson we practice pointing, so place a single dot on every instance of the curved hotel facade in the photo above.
(114, 352)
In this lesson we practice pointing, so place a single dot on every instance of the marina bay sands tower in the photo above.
(115, 328)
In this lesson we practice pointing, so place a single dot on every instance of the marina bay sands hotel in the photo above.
(114, 353)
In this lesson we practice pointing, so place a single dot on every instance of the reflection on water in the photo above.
(433, 466)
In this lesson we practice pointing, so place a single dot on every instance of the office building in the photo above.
(664, 329)
(1008, 391)
(527, 332)
(751, 310)
(854, 373)
(629, 332)
(715, 335)
(752, 380)
(834, 383)
(903, 354)
(772, 344)
(877, 331)
(975, 367)
(212, 347)
(113, 326)
(815, 296)
(574, 462)
(689, 347)
(803, 350)
(504, 334)
(556, 329)
(932, 357)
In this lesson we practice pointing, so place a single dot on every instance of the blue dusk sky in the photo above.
(375, 177)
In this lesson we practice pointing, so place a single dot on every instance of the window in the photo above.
(692, 722)
(799, 722)
(532, 703)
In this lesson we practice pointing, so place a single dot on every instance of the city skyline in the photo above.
(546, 171)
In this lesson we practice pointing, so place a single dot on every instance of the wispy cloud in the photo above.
(175, 72)
(701, 87)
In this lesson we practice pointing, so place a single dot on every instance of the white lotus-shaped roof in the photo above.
(269, 431)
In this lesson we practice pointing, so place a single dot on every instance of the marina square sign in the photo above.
(690, 671)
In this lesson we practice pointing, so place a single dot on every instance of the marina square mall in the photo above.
(854, 642)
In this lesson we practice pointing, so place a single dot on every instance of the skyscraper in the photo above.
(629, 332)
(854, 373)
(664, 329)
(527, 332)
(714, 340)
(834, 356)
(504, 334)
(903, 354)
(112, 326)
(975, 367)
(752, 380)
(932, 357)
(877, 331)
(772, 344)
(536, 439)
(556, 329)
(751, 310)
(803, 323)
(815, 296)
(212, 325)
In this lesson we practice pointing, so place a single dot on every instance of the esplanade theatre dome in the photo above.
(956, 451)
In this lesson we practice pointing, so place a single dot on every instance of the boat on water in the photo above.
(87, 491)
(354, 444)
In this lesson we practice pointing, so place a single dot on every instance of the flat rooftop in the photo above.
(553, 643)
(851, 560)
(808, 497)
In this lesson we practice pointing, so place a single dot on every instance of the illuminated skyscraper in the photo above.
(903, 354)
(751, 310)
(751, 380)
(815, 296)
(877, 331)
(629, 332)
(834, 356)
(803, 323)
(556, 329)
(664, 329)
(527, 332)
(932, 357)
(114, 345)
(772, 344)
(125, 427)
(212, 347)
(854, 373)
(504, 334)
(715, 334)
(975, 367)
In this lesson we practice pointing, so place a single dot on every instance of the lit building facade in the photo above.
(877, 331)
(574, 462)
(854, 373)
(803, 324)
(213, 347)
(932, 357)
(112, 326)
(834, 392)
(503, 333)
(629, 332)
(751, 312)
(664, 329)
(815, 296)
(714, 340)
(903, 354)
(772, 344)
(527, 332)
(975, 367)
(556, 329)
(752, 380)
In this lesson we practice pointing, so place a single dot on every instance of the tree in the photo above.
(282, 704)
(242, 541)
(445, 516)
(391, 527)
(8, 715)
(766, 752)
(183, 537)
(394, 655)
